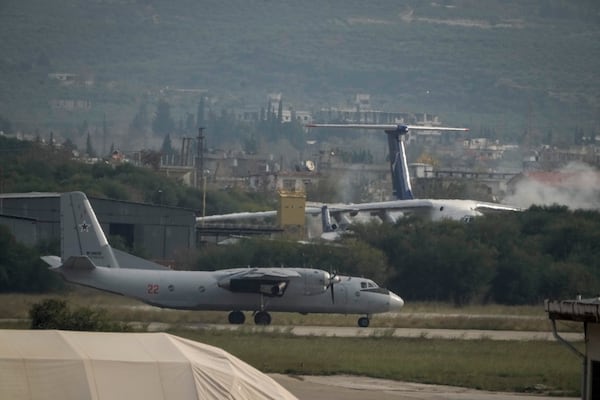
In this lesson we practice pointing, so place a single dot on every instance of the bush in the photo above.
(55, 314)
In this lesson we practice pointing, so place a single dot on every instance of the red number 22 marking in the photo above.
(152, 288)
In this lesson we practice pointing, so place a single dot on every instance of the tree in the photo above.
(163, 123)
(166, 149)
(140, 120)
(89, 149)
(5, 125)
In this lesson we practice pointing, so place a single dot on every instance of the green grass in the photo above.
(482, 364)
(414, 315)
(541, 367)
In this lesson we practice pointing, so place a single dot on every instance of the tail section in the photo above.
(327, 225)
(81, 232)
(400, 176)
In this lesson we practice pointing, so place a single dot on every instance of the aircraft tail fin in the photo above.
(81, 232)
(328, 226)
(399, 166)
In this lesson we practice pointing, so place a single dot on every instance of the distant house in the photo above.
(71, 104)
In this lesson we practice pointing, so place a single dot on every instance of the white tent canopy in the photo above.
(38, 364)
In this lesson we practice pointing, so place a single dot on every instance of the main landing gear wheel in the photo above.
(236, 317)
(262, 318)
(363, 322)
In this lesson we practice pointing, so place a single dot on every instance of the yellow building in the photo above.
(291, 212)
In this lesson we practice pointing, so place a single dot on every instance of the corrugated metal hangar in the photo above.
(157, 232)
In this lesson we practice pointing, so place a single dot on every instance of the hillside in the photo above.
(501, 65)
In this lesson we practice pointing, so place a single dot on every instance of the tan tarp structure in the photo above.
(111, 366)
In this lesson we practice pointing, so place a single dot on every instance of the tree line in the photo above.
(513, 258)
(516, 258)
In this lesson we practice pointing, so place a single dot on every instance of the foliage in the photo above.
(30, 166)
(514, 258)
(55, 314)
(470, 61)
(21, 269)
(162, 123)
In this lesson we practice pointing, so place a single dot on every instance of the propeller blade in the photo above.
(332, 295)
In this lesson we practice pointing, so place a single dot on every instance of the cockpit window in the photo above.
(363, 285)
(371, 284)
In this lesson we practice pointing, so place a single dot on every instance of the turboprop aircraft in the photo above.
(88, 259)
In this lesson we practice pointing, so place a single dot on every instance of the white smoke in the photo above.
(576, 186)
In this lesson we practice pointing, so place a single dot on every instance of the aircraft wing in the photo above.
(386, 210)
(269, 273)
(267, 281)
(388, 127)
(486, 208)
(237, 216)
(434, 209)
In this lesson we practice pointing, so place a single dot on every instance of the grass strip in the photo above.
(536, 367)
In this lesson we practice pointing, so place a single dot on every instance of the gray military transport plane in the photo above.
(89, 260)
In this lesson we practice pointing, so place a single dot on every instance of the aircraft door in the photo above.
(340, 297)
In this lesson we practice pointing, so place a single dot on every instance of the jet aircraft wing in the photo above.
(237, 216)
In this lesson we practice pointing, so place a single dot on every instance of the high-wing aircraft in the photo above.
(336, 216)
(88, 259)
(405, 203)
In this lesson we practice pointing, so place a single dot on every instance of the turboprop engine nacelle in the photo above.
(316, 282)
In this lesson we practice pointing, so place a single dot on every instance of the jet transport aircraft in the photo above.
(405, 203)
(88, 259)
(336, 216)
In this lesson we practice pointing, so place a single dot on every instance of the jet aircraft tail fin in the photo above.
(81, 232)
(327, 225)
(399, 167)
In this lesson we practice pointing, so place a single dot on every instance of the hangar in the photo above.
(157, 232)
(40, 364)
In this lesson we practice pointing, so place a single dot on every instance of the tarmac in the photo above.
(345, 387)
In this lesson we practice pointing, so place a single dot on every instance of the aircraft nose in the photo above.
(396, 302)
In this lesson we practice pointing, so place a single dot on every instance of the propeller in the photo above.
(333, 278)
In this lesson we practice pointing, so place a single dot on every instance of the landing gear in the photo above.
(262, 318)
(237, 318)
(363, 322)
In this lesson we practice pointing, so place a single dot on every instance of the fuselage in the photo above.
(203, 290)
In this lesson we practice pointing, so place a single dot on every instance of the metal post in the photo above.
(200, 157)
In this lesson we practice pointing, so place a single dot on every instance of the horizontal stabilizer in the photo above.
(79, 263)
(52, 261)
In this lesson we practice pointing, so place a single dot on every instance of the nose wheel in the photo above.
(363, 322)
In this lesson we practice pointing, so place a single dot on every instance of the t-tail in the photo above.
(401, 187)
(327, 225)
(82, 234)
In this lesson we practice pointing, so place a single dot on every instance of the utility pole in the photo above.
(200, 176)
(199, 157)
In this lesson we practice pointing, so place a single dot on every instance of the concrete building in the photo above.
(156, 232)
(586, 311)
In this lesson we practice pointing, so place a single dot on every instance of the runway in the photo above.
(345, 331)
